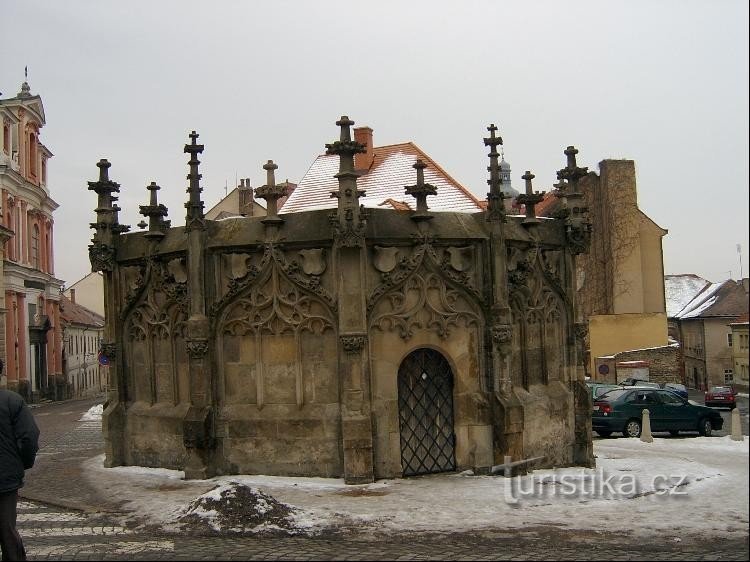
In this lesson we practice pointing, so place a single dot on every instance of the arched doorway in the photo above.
(425, 411)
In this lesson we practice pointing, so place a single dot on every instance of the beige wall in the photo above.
(89, 292)
(740, 352)
(652, 266)
(718, 353)
(610, 334)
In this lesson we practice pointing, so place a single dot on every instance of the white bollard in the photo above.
(736, 425)
(646, 427)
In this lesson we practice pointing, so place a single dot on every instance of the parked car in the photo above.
(679, 389)
(720, 396)
(599, 388)
(621, 411)
(638, 382)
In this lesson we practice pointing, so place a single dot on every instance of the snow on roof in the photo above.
(391, 171)
(702, 302)
(679, 290)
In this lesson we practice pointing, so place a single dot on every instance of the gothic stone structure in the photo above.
(362, 343)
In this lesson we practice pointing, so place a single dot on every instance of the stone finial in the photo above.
(154, 211)
(25, 88)
(194, 206)
(530, 199)
(577, 226)
(495, 206)
(271, 193)
(106, 227)
(104, 188)
(348, 211)
(420, 191)
(571, 173)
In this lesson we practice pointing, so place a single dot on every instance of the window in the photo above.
(729, 339)
(35, 247)
(32, 153)
(728, 376)
(6, 139)
(671, 399)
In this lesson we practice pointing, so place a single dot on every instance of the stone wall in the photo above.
(663, 362)
(286, 344)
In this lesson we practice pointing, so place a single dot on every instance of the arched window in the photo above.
(32, 153)
(35, 247)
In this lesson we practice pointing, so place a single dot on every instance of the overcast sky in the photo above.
(664, 83)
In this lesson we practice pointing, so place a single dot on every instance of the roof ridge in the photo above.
(446, 174)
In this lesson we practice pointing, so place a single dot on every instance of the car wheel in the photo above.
(674, 432)
(603, 433)
(705, 427)
(633, 428)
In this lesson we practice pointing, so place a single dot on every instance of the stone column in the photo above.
(349, 223)
(102, 254)
(578, 238)
(197, 425)
(507, 410)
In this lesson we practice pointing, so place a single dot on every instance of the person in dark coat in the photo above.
(19, 443)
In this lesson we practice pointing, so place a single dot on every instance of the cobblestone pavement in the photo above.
(62, 518)
(52, 533)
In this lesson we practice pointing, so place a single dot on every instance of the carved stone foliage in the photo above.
(353, 344)
(396, 265)
(102, 257)
(163, 281)
(578, 237)
(424, 302)
(349, 231)
(243, 270)
(275, 305)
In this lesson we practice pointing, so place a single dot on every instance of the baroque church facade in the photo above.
(31, 345)
(359, 342)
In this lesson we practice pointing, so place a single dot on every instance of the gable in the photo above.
(391, 171)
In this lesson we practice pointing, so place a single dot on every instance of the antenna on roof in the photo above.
(26, 72)
(739, 253)
(225, 188)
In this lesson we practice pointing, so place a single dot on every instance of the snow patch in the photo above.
(94, 413)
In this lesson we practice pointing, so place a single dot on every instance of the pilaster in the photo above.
(349, 223)
(197, 425)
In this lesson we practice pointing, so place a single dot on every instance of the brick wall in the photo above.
(664, 365)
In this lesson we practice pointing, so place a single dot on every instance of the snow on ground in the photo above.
(676, 486)
(94, 413)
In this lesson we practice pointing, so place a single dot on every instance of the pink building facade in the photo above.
(30, 323)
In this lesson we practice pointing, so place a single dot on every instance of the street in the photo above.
(61, 516)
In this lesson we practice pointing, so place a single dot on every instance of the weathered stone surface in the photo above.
(277, 347)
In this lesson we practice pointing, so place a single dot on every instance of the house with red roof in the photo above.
(384, 172)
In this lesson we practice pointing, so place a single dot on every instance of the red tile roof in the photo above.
(390, 172)
(547, 206)
(72, 313)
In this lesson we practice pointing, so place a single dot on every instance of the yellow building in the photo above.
(620, 281)
(740, 350)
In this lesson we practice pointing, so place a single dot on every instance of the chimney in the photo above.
(363, 135)
(245, 193)
(73, 296)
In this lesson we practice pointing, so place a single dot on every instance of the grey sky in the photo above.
(664, 83)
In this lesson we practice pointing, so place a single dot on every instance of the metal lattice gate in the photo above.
(425, 411)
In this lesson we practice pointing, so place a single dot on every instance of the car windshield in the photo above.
(614, 394)
(721, 390)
